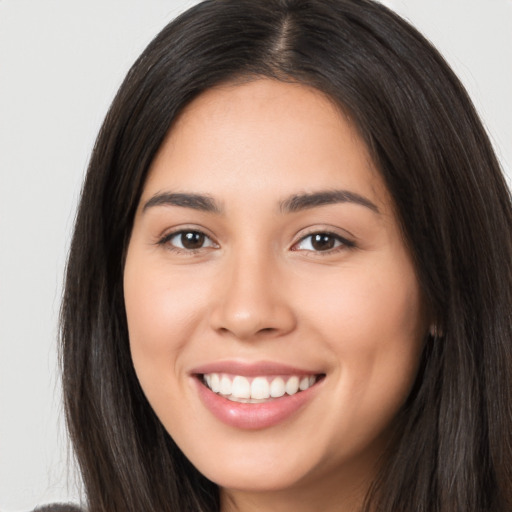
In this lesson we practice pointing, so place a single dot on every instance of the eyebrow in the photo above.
(293, 204)
(301, 202)
(195, 201)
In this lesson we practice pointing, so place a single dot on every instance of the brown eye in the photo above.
(192, 240)
(188, 240)
(322, 242)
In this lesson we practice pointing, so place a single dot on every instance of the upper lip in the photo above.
(251, 369)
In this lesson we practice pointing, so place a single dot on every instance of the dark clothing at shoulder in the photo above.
(59, 508)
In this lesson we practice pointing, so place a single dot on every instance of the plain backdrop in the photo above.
(61, 62)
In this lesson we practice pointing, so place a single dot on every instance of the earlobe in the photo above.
(435, 331)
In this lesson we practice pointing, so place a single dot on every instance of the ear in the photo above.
(435, 331)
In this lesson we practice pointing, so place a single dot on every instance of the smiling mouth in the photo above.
(259, 389)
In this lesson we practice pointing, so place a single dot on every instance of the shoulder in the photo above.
(59, 507)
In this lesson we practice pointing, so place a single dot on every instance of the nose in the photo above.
(252, 301)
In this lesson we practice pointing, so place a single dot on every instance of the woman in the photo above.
(289, 286)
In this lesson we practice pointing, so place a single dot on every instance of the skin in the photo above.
(257, 289)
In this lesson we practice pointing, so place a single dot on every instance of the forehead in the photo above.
(264, 135)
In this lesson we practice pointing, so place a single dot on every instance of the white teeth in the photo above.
(277, 388)
(225, 386)
(260, 388)
(215, 382)
(304, 384)
(240, 388)
(292, 385)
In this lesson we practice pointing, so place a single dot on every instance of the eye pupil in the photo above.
(322, 242)
(192, 240)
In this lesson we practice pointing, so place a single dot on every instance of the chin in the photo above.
(250, 477)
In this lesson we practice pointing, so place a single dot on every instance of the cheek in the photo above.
(372, 309)
(162, 312)
(160, 306)
(373, 321)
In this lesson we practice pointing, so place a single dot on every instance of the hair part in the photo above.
(453, 449)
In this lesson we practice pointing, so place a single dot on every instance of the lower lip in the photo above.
(253, 416)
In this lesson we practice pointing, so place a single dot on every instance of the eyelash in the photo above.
(343, 243)
(183, 250)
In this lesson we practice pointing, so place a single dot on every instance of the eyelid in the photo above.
(345, 242)
(165, 238)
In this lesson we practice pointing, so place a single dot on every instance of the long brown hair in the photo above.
(454, 449)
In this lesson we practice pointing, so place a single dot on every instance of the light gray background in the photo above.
(61, 62)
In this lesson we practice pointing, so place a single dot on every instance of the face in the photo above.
(274, 315)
